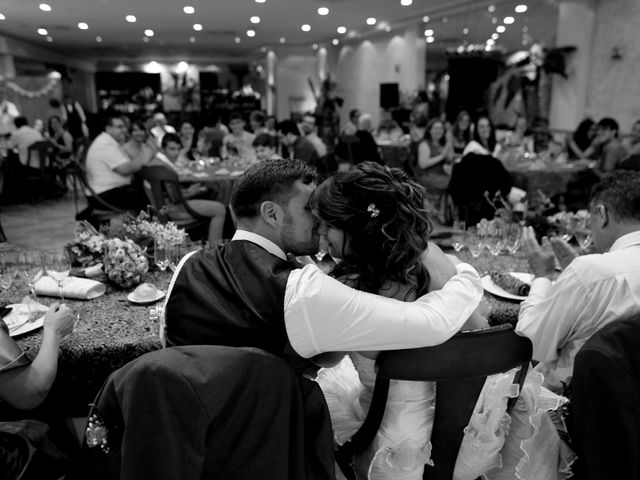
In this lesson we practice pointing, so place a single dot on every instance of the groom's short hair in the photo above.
(271, 180)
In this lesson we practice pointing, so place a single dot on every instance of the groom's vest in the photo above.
(232, 294)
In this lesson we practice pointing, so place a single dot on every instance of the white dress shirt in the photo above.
(8, 113)
(324, 315)
(22, 138)
(105, 154)
(593, 291)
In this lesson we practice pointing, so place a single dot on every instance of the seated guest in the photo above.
(140, 147)
(161, 127)
(257, 122)
(388, 129)
(519, 138)
(541, 135)
(247, 292)
(8, 111)
(22, 138)
(593, 290)
(189, 140)
(211, 138)
(239, 141)
(310, 131)
(632, 142)
(461, 132)
(167, 157)
(579, 141)
(484, 139)
(298, 146)
(60, 137)
(24, 384)
(110, 170)
(264, 146)
(606, 147)
(352, 125)
(434, 152)
(367, 148)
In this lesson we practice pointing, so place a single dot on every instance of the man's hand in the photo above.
(563, 252)
(541, 259)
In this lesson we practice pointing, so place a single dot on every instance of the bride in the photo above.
(375, 224)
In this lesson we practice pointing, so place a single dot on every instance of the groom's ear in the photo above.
(270, 213)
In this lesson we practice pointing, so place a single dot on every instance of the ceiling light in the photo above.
(371, 21)
(306, 27)
(45, 7)
(406, 3)
(426, 19)
(49, 38)
(494, 36)
(254, 19)
(428, 32)
(42, 31)
(182, 66)
(501, 29)
(145, 39)
(2, 17)
(189, 10)
(197, 27)
(283, 40)
(335, 41)
(149, 33)
(314, 46)
(192, 39)
(491, 8)
(260, 1)
(237, 39)
(494, 20)
(491, 42)
(83, 26)
(99, 39)
(508, 20)
(251, 33)
(341, 30)
(430, 39)
(130, 18)
(323, 11)
(152, 67)
(465, 31)
(521, 8)
(525, 29)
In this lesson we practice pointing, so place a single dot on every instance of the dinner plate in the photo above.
(132, 298)
(494, 289)
(15, 320)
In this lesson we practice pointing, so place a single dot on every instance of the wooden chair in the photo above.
(162, 184)
(459, 367)
(43, 182)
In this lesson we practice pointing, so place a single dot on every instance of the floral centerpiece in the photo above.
(144, 228)
(86, 250)
(125, 263)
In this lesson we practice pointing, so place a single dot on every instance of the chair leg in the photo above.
(3, 237)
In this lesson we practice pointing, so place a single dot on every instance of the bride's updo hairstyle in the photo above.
(386, 224)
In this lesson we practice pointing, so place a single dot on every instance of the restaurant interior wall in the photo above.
(293, 91)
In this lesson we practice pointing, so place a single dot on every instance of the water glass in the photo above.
(474, 242)
(457, 235)
(161, 255)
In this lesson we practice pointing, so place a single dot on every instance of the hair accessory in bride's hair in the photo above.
(373, 210)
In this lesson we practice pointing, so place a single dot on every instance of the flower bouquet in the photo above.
(86, 250)
(125, 263)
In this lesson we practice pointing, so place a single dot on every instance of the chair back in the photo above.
(40, 150)
(459, 367)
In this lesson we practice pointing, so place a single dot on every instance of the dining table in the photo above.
(216, 175)
(111, 331)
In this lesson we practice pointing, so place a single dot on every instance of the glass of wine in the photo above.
(474, 243)
(161, 254)
(58, 269)
(457, 235)
(512, 235)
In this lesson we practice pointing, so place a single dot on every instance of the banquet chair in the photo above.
(162, 184)
(605, 399)
(42, 182)
(206, 411)
(459, 367)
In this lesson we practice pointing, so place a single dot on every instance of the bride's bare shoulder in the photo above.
(439, 266)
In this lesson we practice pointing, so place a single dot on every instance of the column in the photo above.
(576, 26)
(271, 82)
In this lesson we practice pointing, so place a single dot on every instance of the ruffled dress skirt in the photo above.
(521, 445)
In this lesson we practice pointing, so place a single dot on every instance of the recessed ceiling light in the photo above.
(426, 19)
(2, 17)
(501, 29)
(525, 29)
(406, 3)
(341, 30)
(251, 33)
(45, 7)
(371, 21)
(130, 18)
(260, 1)
(491, 8)
(83, 26)
(149, 32)
(145, 39)
(192, 39)
(189, 10)
(283, 40)
(465, 31)
(508, 20)
(306, 27)
(428, 32)
(237, 39)
(314, 46)
(335, 41)
(49, 38)
(99, 39)
(521, 8)
(494, 20)
(494, 36)
(430, 39)
(197, 27)
(254, 19)
(183, 66)
(42, 31)
(491, 42)
(323, 11)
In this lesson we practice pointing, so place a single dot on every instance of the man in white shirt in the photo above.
(310, 131)
(161, 127)
(247, 292)
(22, 138)
(239, 142)
(8, 112)
(593, 290)
(110, 170)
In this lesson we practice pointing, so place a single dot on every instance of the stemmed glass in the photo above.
(512, 235)
(474, 243)
(59, 272)
(457, 235)
(495, 241)
(6, 277)
(583, 233)
(161, 255)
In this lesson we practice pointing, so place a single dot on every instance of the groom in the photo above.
(245, 292)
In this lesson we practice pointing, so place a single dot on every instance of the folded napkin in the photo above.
(24, 316)
(73, 287)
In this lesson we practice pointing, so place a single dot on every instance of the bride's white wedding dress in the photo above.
(519, 445)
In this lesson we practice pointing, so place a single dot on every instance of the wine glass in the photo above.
(59, 271)
(474, 243)
(457, 235)
(161, 255)
(6, 276)
(495, 239)
(513, 232)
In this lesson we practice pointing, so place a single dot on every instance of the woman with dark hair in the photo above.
(484, 139)
(434, 152)
(375, 223)
(189, 140)
(579, 141)
(141, 145)
(60, 137)
(461, 132)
